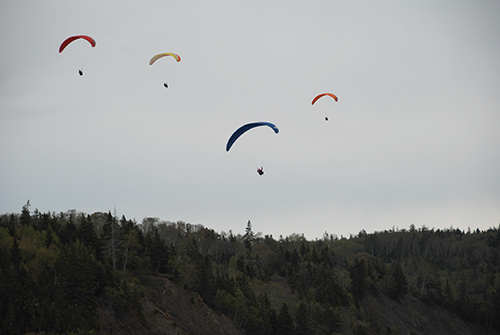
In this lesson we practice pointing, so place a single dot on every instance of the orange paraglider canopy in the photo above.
(72, 38)
(322, 95)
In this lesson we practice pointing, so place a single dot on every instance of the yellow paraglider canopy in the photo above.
(155, 58)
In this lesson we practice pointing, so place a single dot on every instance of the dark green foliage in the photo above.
(68, 231)
(400, 286)
(285, 322)
(25, 218)
(56, 270)
(78, 276)
(52, 280)
(157, 251)
(273, 322)
(358, 274)
(302, 320)
(15, 297)
(87, 235)
(124, 300)
(205, 280)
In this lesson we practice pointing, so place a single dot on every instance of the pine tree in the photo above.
(87, 235)
(158, 252)
(314, 255)
(400, 279)
(302, 320)
(78, 280)
(18, 289)
(25, 218)
(273, 322)
(285, 321)
(248, 237)
(205, 280)
(358, 274)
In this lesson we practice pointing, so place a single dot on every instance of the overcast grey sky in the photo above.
(413, 139)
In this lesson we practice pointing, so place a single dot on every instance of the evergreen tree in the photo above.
(285, 322)
(78, 279)
(243, 284)
(448, 294)
(25, 218)
(248, 237)
(18, 289)
(205, 280)
(265, 309)
(133, 249)
(273, 322)
(358, 274)
(400, 280)
(158, 252)
(302, 324)
(68, 231)
(314, 255)
(87, 235)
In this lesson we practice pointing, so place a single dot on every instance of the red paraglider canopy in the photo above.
(72, 38)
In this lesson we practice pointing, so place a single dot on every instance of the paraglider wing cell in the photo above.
(73, 38)
(241, 130)
(322, 95)
(155, 58)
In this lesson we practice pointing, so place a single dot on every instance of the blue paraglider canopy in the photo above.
(241, 130)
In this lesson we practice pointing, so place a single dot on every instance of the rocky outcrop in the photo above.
(169, 310)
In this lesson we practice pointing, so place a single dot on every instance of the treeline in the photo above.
(57, 269)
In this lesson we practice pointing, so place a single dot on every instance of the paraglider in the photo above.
(241, 130)
(156, 57)
(69, 40)
(322, 95)
(74, 38)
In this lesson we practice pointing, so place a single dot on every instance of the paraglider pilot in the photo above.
(260, 171)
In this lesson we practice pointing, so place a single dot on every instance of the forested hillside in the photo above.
(78, 273)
